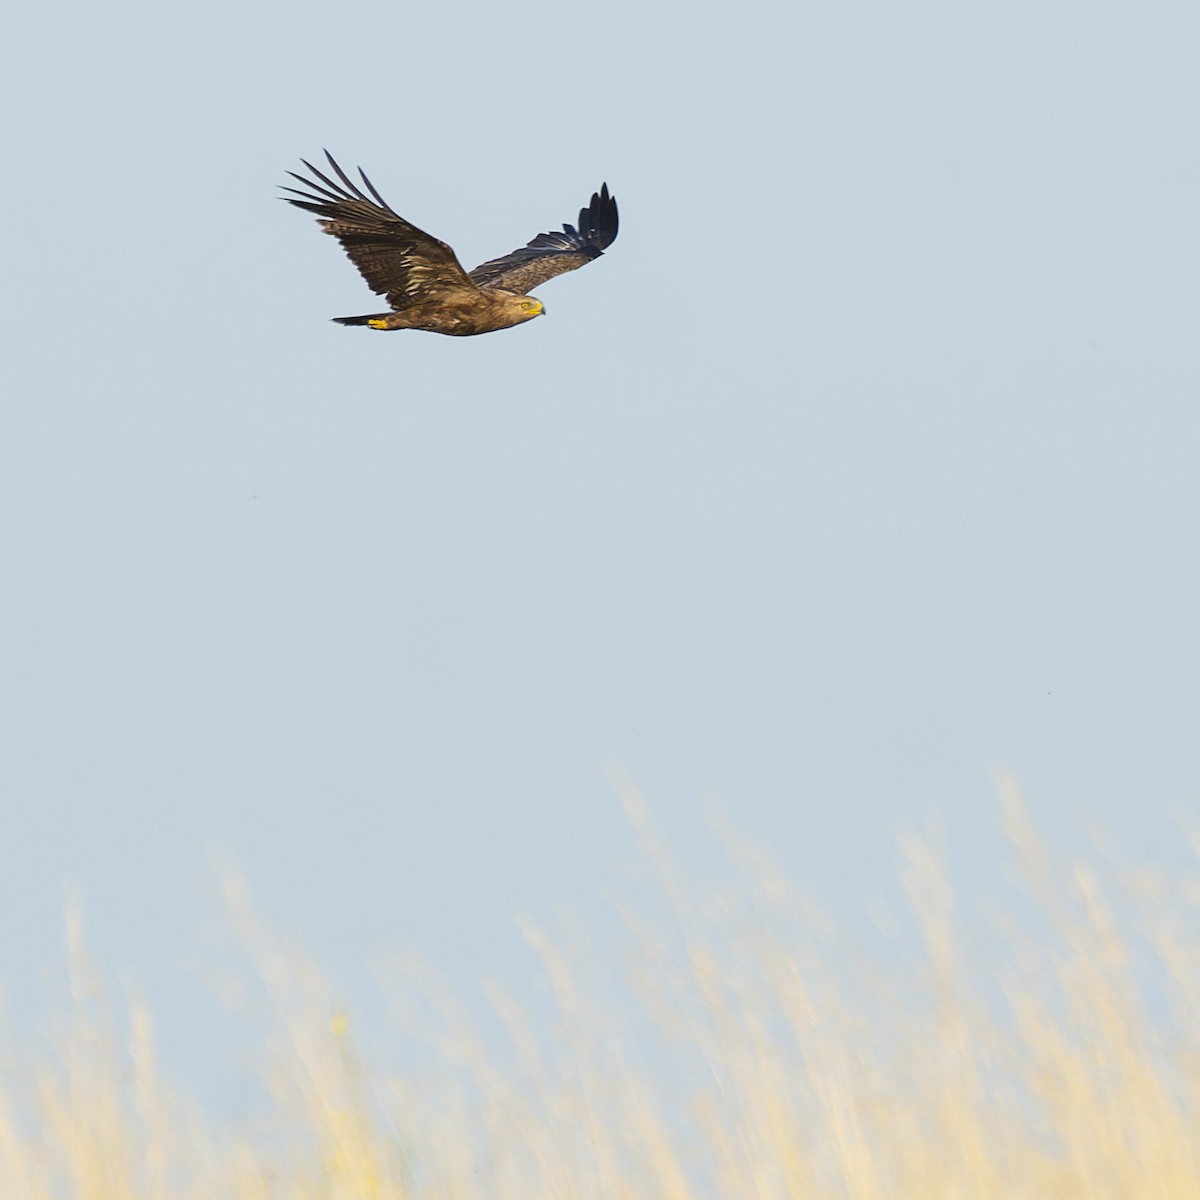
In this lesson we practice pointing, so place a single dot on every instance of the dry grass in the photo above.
(745, 1053)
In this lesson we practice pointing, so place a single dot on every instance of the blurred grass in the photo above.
(740, 1048)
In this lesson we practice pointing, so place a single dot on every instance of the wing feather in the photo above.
(397, 259)
(554, 253)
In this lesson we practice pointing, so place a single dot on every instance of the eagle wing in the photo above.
(397, 259)
(551, 254)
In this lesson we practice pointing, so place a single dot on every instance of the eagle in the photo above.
(421, 278)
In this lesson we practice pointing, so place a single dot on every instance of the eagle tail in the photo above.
(373, 319)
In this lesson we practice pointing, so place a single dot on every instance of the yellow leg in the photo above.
(377, 324)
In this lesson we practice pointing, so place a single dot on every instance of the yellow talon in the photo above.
(377, 324)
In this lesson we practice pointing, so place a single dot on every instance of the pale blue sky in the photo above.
(863, 464)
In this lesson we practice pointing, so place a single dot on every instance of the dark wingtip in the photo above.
(600, 217)
(610, 207)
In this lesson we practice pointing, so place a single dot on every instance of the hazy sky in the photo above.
(864, 464)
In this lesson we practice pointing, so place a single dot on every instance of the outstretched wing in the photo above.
(397, 259)
(551, 254)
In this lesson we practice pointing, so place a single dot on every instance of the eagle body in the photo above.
(421, 278)
(459, 314)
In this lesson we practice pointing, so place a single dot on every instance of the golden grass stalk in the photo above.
(739, 1048)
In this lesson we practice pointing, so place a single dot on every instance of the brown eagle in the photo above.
(422, 279)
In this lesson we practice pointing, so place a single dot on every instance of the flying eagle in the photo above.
(422, 279)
